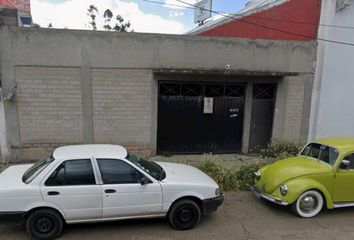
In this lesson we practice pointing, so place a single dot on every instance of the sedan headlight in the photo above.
(283, 189)
(257, 175)
(217, 192)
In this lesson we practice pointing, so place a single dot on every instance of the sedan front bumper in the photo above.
(268, 197)
(212, 204)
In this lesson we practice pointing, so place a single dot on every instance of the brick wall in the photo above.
(122, 106)
(294, 109)
(8, 17)
(49, 105)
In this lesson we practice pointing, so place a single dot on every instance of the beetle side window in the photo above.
(116, 171)
(72, 172)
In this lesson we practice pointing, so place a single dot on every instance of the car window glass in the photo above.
(324, 154)
(350, 158)
(321, 152)
(72, 172)
(314, 150)
(37, 168)
(114, 171)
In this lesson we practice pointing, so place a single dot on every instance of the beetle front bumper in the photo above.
(268, 197)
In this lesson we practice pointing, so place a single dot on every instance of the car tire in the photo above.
(309, 204)
(184, 214)
(44, 224)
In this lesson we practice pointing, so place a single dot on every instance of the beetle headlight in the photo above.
(283, 189)
(257, 175)
(217, 192)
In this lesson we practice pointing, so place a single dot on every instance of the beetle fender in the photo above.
(298, 186)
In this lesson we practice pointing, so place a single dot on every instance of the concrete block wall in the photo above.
(99, 87)
(122, 100)
(49, 107)
(294, 107)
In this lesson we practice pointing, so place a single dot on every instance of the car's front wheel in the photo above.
(309, 204)
(44, 224)
(184, 214)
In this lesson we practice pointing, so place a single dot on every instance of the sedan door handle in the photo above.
(53, 193)
(109, 191)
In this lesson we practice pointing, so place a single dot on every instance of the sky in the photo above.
(143, 16)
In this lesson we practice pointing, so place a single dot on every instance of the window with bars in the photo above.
(202, 89)
(263, 91)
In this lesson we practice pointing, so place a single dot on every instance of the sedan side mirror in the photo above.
(144, 180)
(344, 164)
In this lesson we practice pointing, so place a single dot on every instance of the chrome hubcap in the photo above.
(308, 203)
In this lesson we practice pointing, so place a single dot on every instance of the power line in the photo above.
(250, 16)
(256, 24)
(274, 29)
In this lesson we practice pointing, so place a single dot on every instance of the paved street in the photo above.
(241, 217)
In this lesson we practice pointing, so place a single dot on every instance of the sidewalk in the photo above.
(228, 159)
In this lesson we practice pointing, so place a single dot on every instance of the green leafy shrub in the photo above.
(279, 150)
(217, 170)
(239, 179)
(228, 178)
(245, 175)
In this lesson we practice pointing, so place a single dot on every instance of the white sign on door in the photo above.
(208, 105)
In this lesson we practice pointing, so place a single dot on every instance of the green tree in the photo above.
(92, 12)
(107, 19)
(119, 26)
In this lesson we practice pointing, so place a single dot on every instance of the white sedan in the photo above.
(94, 183)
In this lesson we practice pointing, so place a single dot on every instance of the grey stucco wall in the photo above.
(112, 67)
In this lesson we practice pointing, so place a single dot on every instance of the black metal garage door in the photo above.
(187, 125)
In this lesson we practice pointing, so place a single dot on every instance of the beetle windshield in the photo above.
(150, 167)
(37, 168)
(321, 152)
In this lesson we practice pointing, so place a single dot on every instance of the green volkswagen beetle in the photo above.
(321, 175)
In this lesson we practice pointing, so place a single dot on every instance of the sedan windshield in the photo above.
(37, 168)
(150, 167)
(321, 152)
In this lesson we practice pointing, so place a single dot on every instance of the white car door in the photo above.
(123, 193)
(72, 187)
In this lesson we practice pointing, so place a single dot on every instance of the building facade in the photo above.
(332, 113)
(268, 19)
(22, 9)
(150, 92)
(330, 23)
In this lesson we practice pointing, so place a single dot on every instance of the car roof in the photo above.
(341, 143)
(90, 150)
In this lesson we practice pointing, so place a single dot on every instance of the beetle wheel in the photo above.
(309, 204)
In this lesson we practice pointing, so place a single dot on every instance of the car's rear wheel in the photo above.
(309, 204)
(184, 214)
(44, 224)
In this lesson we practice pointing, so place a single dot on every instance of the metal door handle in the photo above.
(53, 193)
(109, 191)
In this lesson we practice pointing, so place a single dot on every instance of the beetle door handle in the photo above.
(53, 193)
(109, 191)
